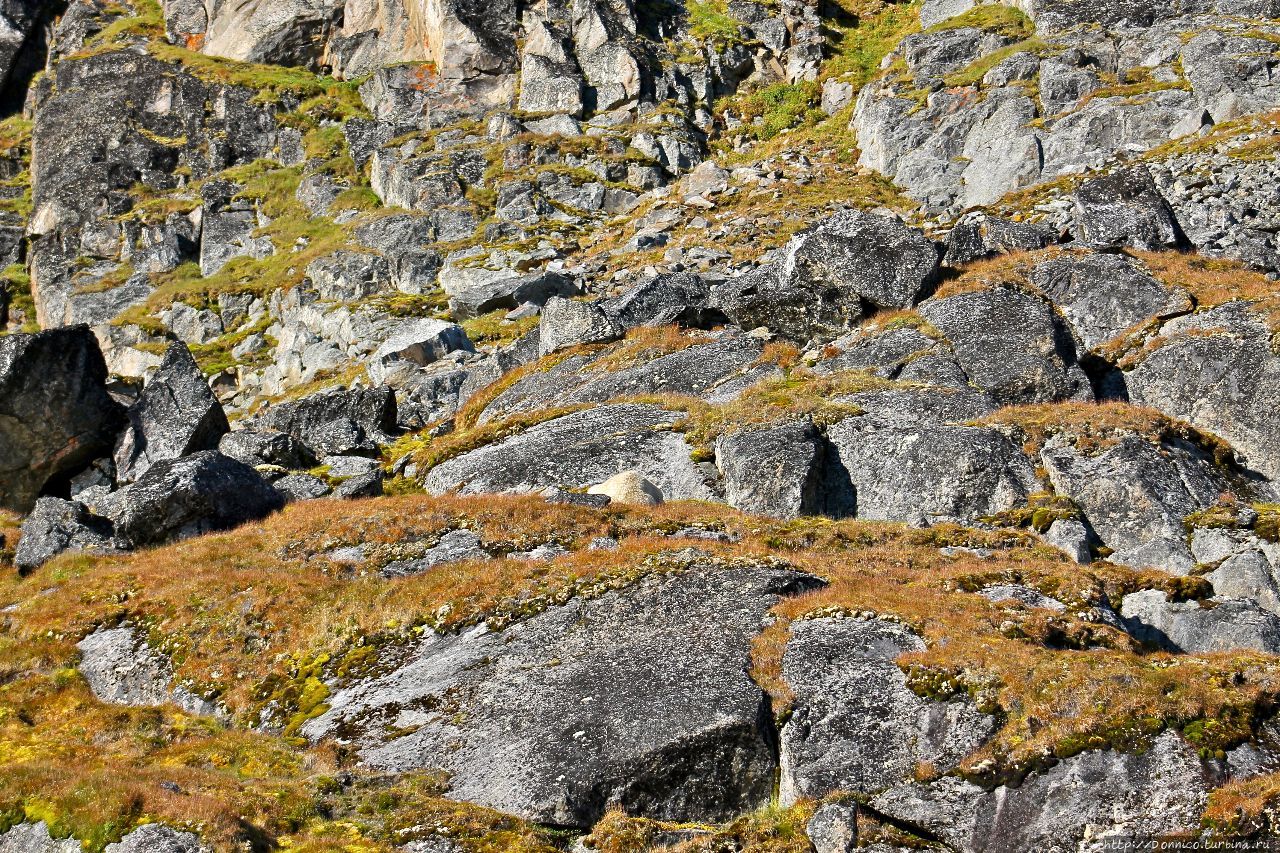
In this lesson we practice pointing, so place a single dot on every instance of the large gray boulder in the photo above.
(638, 698)
(1075, 805)
(352, 422)
(568, 323)
(1011, 344)
(415, 345)
(1216, 369)
(929, 473)
(190, 496)
(256, 447)
(1136, 494)
(1125, 208)
(35, 838)
(1191, 626)
(55, 414)
(1104, 295)
(279, 32)
(856, 726)
(829, 278)
(176, 415)
(779, 471)
(579, 450)
(56, 526)
(511, 293)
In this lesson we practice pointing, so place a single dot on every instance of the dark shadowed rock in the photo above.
(829, 278)
(975, 240)
(1102, 295)
(176, 415)
(1125, 208)
(1093, 795)
(681, 298)
(256, 447)
(1010, 344)
(510, 293)
(1191, 626)
(56, 526)
(55, 414)
(335, 423)
(637, 699)
(857, 727)
(366, 485)
(579, 450)
(186, 497)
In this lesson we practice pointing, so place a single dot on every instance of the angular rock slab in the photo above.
(56, 526)
(581, 449)
(857, 727)
(928, 473)
(1069, 808)
(55, 414)
(1187, 626)
(639, 698)
(121, 669)
(176, 415)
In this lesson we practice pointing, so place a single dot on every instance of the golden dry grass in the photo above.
(260, 614)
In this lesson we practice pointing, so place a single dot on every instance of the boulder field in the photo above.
(713, 427)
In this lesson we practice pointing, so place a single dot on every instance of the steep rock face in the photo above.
(857, 727)
(292, 32)
(598, 702)
(106, 123)
(55, 413)
(1076, 805)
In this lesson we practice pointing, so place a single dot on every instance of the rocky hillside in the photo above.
(795, 426)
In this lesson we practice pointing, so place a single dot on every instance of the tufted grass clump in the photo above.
(1006, 20)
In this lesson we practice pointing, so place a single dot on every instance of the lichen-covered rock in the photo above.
(580, 450)
(930, 473)
(1104, 295)
(122, 669)
(1217, 370)
(779, 471)
(1011, 344)
(56, 526)
(1135, 495)
(418, 344)
(1218, 625)
(55, 414)
(35, 838)
(856, 726)
(606, 701)
(1078, 804)
(158, 838)
(567, 323)
(830, 277)
(176, 415)
(1125, 208)
(337, 423)
(186, 497)
(976, 239)
(256, 447)
(511, 293)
